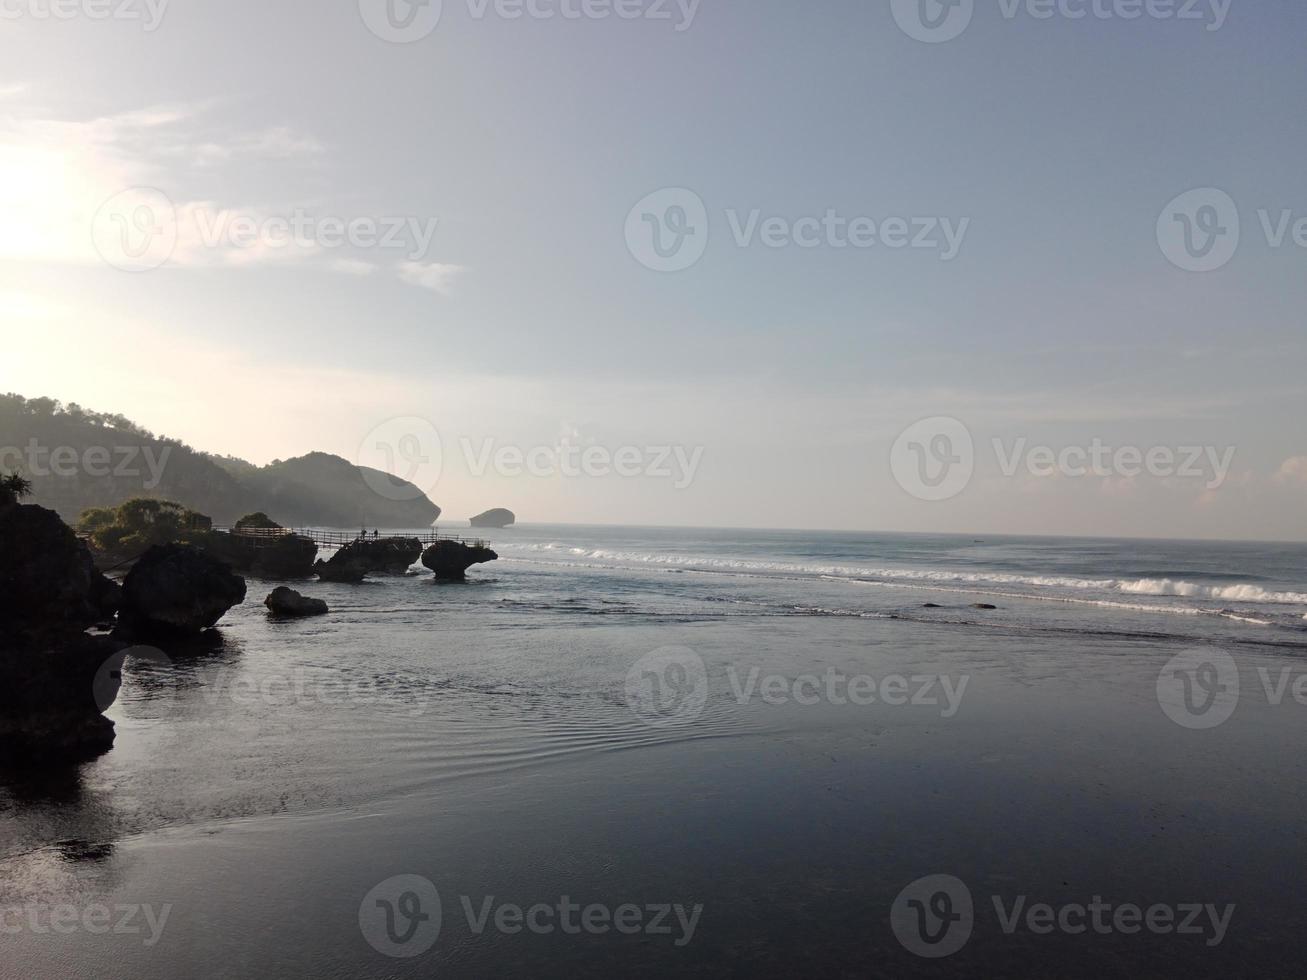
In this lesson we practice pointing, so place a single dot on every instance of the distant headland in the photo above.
(77, 459)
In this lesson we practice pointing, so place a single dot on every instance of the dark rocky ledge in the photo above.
(450, 560)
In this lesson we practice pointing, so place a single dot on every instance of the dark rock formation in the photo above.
(390, 554)
(50, 594)
(499, 517)
(450, 560)
(288, 602)
(355, 560)
(346, 565)
(177, 590)
(983, 605)
(288, 556)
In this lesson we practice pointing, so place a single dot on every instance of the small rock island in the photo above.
(499, 517)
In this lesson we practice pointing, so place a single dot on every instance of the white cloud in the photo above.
(439, 277)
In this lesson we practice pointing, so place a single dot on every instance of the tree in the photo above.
(13, 487)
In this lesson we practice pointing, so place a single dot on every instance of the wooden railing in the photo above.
(264, 536)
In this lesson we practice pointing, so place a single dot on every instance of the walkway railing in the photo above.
(265, 536)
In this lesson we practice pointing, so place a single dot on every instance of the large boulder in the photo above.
(50, 594)
(450, 560)
(352, 562)
(287, 556)
(388, 554)
(348, 565)
(499, 517)
(177, 590)
(288, 602)
(47, 574)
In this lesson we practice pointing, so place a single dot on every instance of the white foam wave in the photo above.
(1243, 593)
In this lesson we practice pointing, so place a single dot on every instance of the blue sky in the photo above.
(1059, 321)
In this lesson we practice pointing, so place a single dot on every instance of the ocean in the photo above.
(741, 752)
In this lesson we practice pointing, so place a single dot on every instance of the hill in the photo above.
(76, 459)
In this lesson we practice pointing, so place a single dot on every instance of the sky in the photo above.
(898, 266)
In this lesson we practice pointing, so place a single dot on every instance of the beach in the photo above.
(739, 750)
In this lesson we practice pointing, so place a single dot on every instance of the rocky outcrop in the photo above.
(499, 517)
(288, 556)
(389, 554)
(288, 602)
(450, 560)
(50, 594)
(177, 590)
(347, 565)
(354, 561)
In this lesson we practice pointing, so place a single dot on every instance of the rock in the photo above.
(288, 602)
(388, 554)
(983, 605)
(347, 565)
(352, 562)
(932, 605)
(50, 593)
(499, 517)
(177, 590)
(288, 556)
(47, 573)
(450, 560)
